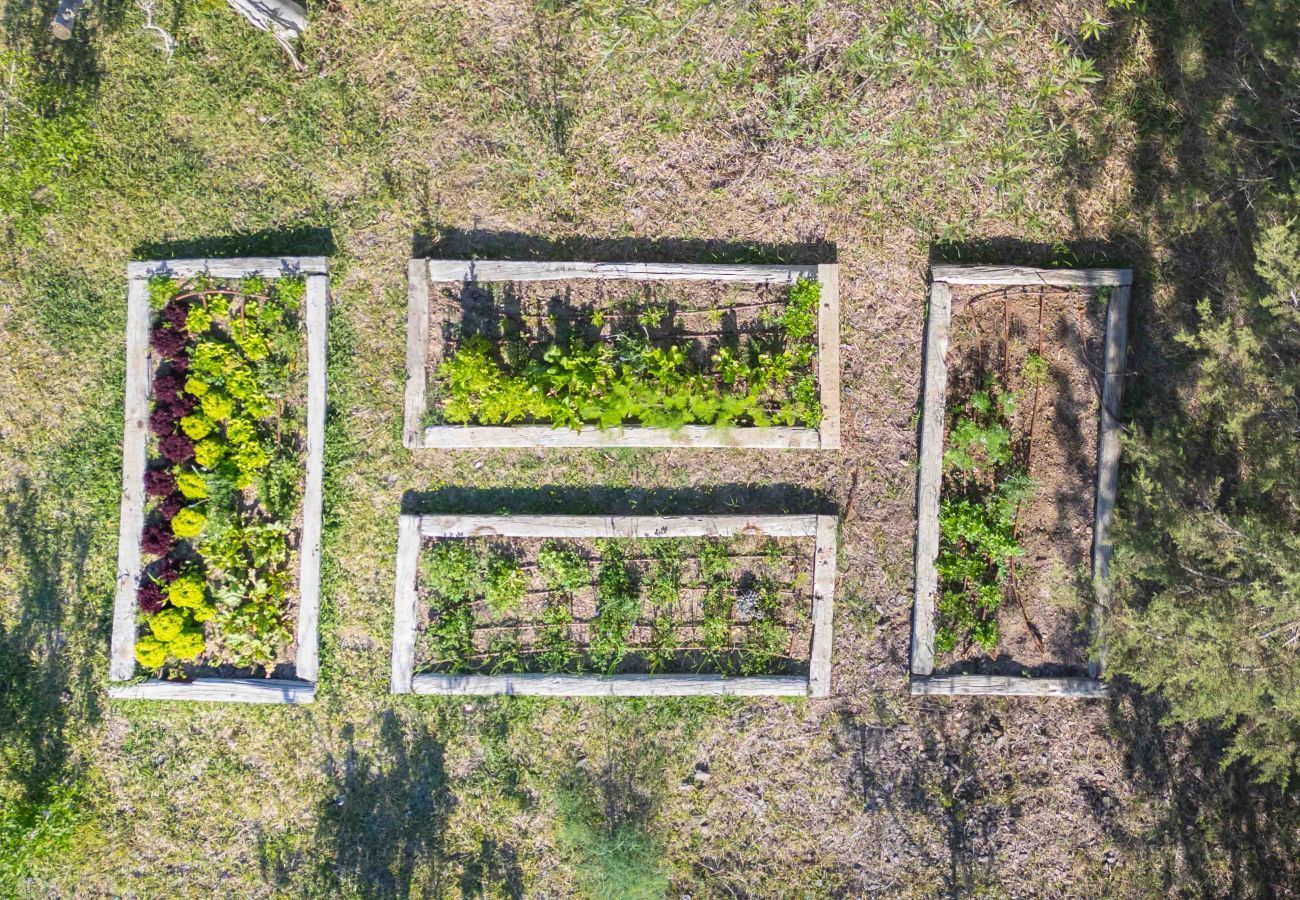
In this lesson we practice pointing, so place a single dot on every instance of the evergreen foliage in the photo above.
(1207, 565)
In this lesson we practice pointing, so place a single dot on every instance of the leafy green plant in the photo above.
(766, 639)
(716, 567)
(618, 605)
(663, 585)
(557, 652)
(563, 568)
(505, 586)
(983, 489)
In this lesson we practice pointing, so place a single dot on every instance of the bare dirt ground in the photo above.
(993, 331)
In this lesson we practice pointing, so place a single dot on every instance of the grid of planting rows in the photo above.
(731, 606)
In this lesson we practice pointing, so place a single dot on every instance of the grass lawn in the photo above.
(883, 136)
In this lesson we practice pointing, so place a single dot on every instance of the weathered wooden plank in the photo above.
(1023, 275)
(929, 477)
(417, 349)
(506, 270)
(65, 17)
(460, 437)
(828, 355)
(405, 598)
(540, 685)
(135, 447)
(283, 18)
(1107, 466)
(307, 663)
(616, 526)
(825, 560)
(1008, 686)
(239, 267)
(219, 690)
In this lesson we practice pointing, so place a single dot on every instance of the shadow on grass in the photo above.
(40, 689)
(942, 790)
(480, 243)
(305, 240)
(1219, 819)
(381, 826)
(47, 688)
(735, 499)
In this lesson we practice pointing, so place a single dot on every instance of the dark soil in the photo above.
(993, 331)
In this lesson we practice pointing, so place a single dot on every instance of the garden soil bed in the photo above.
(700, 316)
(1055, 526)
(787, 563)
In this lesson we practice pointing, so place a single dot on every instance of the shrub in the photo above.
(1207, 543)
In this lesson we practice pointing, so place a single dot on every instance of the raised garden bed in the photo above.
(546, 354)
(614, 606)
(1019, 458)
(219, 546)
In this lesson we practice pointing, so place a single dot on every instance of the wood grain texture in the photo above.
(65, 17)
(135, 448)
(307, 664)
(929, 477)
(405, 599)
(539, 685)
(1026, 276)
(1107, 467)
(825, 560)
(238, 267)
(285, 19)
(219, 690)
(461, 437)
(828, 355)
(616, 526)
(417, 349)
(1008, 686)
(503, 270)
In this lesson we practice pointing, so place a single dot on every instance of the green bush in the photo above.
(1207, 541)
